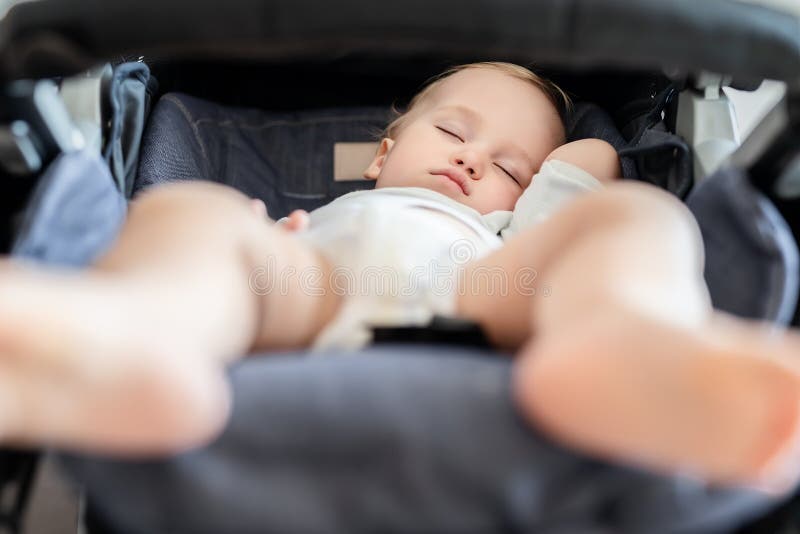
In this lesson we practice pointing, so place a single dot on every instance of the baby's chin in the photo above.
(434, 183)
(483, 208)
(446, 187)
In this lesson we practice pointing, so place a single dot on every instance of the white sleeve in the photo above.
(556, 184)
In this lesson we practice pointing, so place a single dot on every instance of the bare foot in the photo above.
(80, 368)
(721, 403)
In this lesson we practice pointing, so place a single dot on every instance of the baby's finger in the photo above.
(298, 221)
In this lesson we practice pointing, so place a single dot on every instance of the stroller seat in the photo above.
(478, 456)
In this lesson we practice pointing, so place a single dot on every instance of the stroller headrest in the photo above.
(285, 158)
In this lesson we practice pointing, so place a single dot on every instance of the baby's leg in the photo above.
(129, 355)
(625, 357)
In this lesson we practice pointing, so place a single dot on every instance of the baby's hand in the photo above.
(295, 222)
(595, 156)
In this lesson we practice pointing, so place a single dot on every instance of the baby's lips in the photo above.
(456, 176)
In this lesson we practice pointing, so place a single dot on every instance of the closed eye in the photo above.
(509, 174)
(448, 132)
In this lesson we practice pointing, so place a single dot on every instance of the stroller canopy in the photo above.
(55, 37)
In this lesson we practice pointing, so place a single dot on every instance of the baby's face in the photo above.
(478, 138)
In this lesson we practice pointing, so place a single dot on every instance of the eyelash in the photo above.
(509, 174)
(448, 132)
(452, 134)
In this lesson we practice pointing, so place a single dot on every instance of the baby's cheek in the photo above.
(392, 179)
(514, 191)
(512, 201)
(501, 201)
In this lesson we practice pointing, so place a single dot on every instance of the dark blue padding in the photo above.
(285, 159)
(130, 93)
(74, 214)
(590, 121)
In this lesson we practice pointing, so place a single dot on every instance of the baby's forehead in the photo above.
(469, 88)
(494, 96)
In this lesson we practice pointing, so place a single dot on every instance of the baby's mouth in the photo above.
(457, 176)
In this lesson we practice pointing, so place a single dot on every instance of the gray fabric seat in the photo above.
(397, 439)
(752, 264)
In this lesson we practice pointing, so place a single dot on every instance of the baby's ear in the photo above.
(374, 169)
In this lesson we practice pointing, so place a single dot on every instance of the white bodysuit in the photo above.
(397, 251)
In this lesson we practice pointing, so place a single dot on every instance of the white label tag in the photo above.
(350, 160)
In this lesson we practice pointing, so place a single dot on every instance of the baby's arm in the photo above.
(595, 156)
(554, 186)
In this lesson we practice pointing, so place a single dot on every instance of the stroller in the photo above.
(414, 433)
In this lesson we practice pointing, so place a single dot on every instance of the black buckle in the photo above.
(440, 331)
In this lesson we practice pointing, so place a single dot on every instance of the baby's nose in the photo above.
(467, 168)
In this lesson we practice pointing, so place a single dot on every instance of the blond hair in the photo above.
(560, 100)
